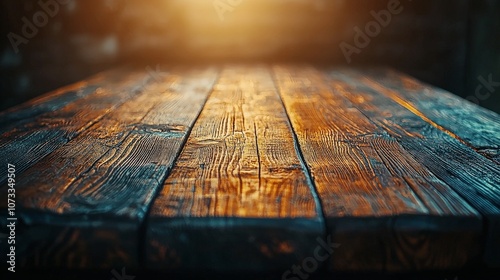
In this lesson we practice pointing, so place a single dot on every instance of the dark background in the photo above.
(448, 43)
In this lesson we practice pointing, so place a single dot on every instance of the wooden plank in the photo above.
(474, 177)
(31, 141)
(84, 204)
(238, 198)
(387, 210)
(57, 99)
(471, 124)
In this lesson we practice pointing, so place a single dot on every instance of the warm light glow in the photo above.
(239, 25)
(252, 28)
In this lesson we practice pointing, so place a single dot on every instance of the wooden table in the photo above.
(252, 168)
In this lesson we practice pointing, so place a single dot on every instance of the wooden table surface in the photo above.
(252, 168)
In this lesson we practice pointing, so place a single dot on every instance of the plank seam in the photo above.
(390, 94)
(484, 217)
(143, 227)
(95, 122)
(410, 155)
(423, 164)
(300, 156)
(258, 153)
(69, 136)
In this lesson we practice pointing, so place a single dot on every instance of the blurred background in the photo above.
(453, 44)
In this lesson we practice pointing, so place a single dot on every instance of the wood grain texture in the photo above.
(238, 198)
(473, 176)
(471, 124)
(99, 185)
(32, 141)
(246, 169)
(27, 112)
(389, 212)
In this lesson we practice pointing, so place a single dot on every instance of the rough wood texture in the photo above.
(33, 140)
(474, 177)
(246, 169)
(99, 185)
(51, 101)
(387, 210)
(238, 194)
(469, 123)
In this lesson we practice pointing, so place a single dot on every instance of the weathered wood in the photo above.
(264, 163)
(238, 198)
(471, 124)
(98, 187)
(386, 209)
(32, 141)
(49, 102)
(474, 177)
